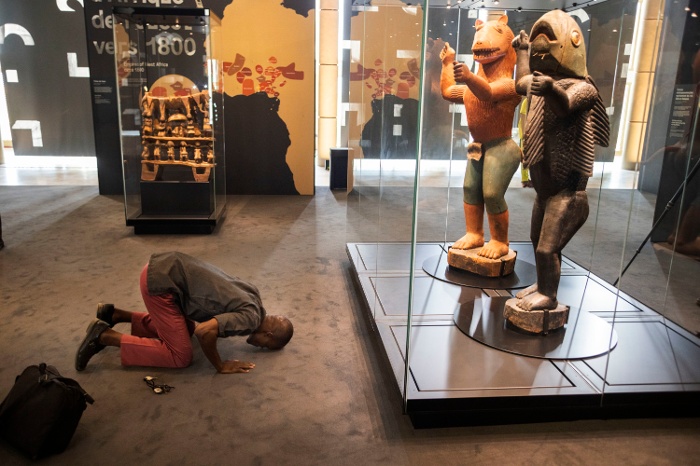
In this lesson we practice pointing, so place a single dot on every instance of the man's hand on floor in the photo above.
(235, 366)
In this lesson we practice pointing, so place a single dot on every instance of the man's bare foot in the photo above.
(469, 241)
(447, 54)
(494, 250)
(537, 302)
(529, 290)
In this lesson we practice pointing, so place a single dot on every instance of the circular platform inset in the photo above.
(524, 275)
(584, 336)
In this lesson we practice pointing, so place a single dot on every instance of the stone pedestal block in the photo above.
(535, 321)
(469, 260)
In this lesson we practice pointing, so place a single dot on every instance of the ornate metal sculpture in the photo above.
(176, 123)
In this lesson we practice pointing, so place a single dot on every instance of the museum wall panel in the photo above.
(267, 63)
(45, 78)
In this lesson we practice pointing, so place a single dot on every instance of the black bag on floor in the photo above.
(40, 414)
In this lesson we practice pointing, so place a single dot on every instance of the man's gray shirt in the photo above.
(205, 292)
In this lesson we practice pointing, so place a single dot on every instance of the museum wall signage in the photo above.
(49, 112)
(267, 61)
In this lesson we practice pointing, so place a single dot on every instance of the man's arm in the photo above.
(208, 333)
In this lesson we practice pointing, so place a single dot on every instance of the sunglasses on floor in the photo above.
(157, 388)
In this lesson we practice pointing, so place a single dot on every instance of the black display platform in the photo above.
(648, 366)
(171, 198)
(585, 335)
(175, 205)
(524, 273)
(176, 224)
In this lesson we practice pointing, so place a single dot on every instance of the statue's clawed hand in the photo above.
(521, 41)
(461, 72)
(447, 54)
(541, 84)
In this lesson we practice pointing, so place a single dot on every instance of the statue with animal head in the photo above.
(490, 99)
(566, 118)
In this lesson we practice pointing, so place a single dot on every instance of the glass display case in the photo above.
(629, 343)
(170, 90)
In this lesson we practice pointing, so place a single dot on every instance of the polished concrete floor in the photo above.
(70, 176)
(367, 172)
(49, 176)
(437, 173)
(326, 399)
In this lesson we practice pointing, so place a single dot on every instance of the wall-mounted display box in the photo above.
(170, 90)
(629, 276)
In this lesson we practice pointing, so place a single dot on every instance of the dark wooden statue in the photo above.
(566, 119)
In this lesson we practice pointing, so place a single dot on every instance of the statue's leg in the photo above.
(564, 215)
(473, 207)
(501, 160)
(498, 245)
(536, 220)
(535, 228)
